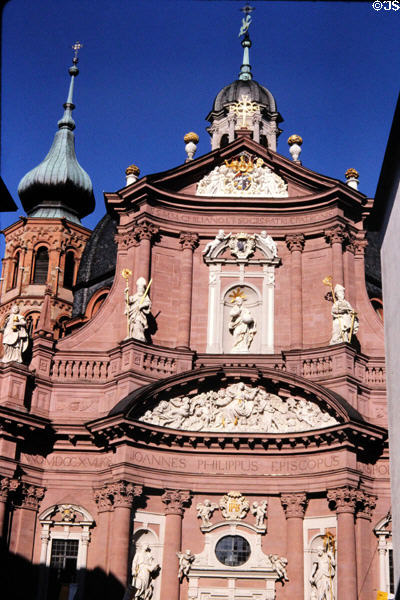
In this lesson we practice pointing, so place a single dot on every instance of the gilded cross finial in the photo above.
(76, 47)
(244, 108)
(246, 21)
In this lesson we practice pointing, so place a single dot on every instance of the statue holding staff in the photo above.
(137, 308)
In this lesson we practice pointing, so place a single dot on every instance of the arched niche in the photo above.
(241, 320)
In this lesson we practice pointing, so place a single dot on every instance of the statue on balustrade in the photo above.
(345, 321)
(242, 326)
(322, 575)
(144, 569)
(15, 336)
(137, 308)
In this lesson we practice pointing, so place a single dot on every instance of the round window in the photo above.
(232, 550)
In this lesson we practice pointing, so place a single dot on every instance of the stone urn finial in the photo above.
(352, 178)
(132, 174)
(295, 142)
(191, 140)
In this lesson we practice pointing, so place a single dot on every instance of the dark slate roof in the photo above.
(232, 93)
(97, 266)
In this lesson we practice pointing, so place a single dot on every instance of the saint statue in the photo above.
(15, 336)
(242, 326)
(345, 321)
(185, 562)
(322, 574)
(144, 568)
(137, 308)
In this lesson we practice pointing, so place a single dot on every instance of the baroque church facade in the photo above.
(193, 395)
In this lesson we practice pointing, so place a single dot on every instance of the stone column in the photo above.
(344, 500)
(294, 505)
(174, 501)
(25, 525)
(295, 243)
(102, 497)
(145, 232)
(189, 241)
(123, 495)
(336, 236)
(7, 486)
(365, 543)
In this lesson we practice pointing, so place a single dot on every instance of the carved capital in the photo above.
(103, 499)
(336, 234)
(7, 486)
(294, 504)
(344, 499)
(365, 504)
(146, 230)
(295, 241)
(124, 493)
(175, 501)
(358, 246)
(31, 495)
(126, 240)
(188, 240)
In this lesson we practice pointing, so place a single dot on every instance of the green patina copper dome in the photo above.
(58, 186)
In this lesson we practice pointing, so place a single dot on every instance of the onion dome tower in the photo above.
(58, 186)
(44, 249)
(244, 104)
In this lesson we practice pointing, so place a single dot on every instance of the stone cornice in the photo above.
(112, 431)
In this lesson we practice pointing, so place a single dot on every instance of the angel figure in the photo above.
(259, 511)
(185, 563)
(279, 563)
(205, 511)
(220, 237)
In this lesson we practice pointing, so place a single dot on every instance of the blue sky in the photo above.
(149, 71)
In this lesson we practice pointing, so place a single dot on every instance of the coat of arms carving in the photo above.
(244, 175)
(234, 506)
(242, 245)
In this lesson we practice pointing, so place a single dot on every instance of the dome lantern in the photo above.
(226, 116)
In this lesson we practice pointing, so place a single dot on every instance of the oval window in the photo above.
(232, 550)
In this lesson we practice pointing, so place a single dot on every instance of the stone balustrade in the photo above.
(94, 369)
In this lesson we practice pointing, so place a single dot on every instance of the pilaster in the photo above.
(188, 241)
(294, 505)
(295, 243)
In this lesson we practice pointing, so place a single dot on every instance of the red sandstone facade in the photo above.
(72, 442)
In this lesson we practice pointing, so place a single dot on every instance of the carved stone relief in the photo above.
(244, 176)
(239, 407)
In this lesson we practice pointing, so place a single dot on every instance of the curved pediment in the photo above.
(239, 408)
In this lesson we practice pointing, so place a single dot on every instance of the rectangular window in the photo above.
(63, 566)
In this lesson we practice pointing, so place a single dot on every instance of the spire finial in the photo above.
(67, 121)
(245, 69)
